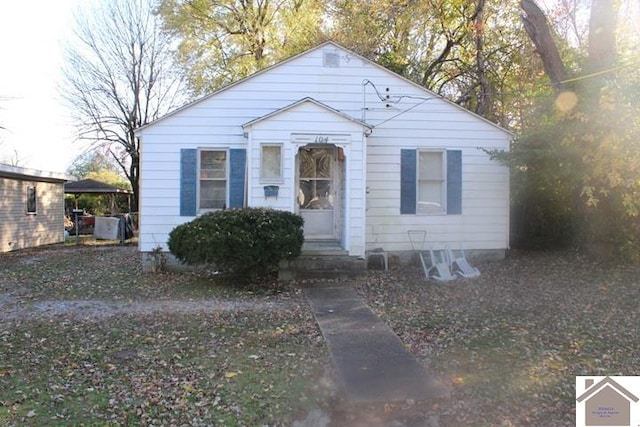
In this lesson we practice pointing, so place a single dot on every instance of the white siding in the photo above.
(309, 118)
(484, 222)
(418, 119)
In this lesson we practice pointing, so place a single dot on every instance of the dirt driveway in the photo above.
(97, 282)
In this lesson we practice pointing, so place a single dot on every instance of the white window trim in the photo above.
(443, 181)
(200, 210)
(272, 180)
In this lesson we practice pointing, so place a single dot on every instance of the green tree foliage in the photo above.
(471, 52)
(246, 242)
(93, 162)
(577, 164)
(100, 167)
(221, 41)
(575, 173)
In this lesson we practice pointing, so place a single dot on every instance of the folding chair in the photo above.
(417, 239)
(440, 265)
(460, 265)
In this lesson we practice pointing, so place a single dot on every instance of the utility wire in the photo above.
(396, 100)
(402, 112)
(599, 73)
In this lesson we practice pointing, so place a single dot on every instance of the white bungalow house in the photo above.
(363, 154)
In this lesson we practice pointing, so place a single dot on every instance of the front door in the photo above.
(318, 191)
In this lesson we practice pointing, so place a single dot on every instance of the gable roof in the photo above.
(318, 47)
(307, 100)
(607, 381)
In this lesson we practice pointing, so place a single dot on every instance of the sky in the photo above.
(37, 123)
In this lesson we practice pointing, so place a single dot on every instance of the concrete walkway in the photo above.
(370, 359)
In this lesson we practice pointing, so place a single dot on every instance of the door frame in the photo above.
(337, 186)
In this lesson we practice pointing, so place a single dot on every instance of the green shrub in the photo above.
(247, 242)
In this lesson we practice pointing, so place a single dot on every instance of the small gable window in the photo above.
(31, 200)
(213, 179)
(271, 162)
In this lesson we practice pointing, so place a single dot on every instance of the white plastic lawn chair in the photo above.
(417, 239)
(440, 266)
(460, 265)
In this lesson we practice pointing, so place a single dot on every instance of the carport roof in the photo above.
(91, 186)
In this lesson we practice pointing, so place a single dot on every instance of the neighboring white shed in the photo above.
(363, 154)
(32, 211)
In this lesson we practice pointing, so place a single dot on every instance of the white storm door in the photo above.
(317, 191)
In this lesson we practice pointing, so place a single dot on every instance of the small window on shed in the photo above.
(31, 200)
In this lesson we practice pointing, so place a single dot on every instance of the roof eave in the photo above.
(16, 172)
(300, 102)
(231, 85)
(320, 46)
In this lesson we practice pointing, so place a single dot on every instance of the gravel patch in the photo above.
(12, 308)
(93, 283)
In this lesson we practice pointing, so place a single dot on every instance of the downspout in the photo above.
(365, 190)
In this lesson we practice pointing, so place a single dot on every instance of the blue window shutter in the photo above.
(408, 183)
(237, 167)
(454, 182)
(188, 181)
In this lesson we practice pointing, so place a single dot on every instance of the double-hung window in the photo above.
(430, 182)
(213, 179)
(431, 191)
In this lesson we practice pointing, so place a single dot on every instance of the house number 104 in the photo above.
(321, 139)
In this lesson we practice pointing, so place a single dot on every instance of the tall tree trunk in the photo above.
(602, 39)
(484, 97)
(603, 105)
(537, 27)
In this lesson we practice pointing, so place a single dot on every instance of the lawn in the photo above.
(510, 343)
(87, 338)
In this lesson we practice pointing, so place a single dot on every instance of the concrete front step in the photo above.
(322, 247)
(321, 265)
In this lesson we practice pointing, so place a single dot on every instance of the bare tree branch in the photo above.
(118, 77)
